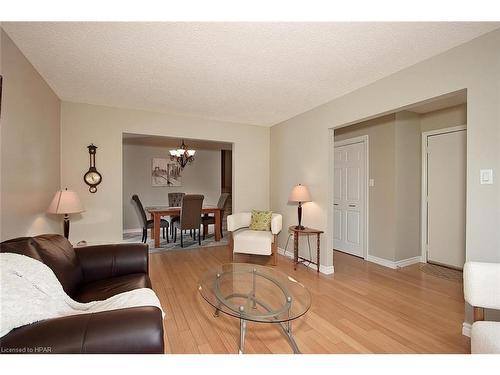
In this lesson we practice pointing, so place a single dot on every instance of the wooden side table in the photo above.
(304, 232)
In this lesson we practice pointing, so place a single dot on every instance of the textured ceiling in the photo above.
(255, 73)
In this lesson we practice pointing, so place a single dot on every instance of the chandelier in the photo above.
(182, 155)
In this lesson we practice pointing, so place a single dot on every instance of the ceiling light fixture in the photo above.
(182, 155)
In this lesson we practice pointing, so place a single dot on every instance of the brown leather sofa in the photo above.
(87, 274)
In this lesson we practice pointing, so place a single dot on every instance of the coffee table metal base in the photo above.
(243, 330)
(251, 303)
(285, 327)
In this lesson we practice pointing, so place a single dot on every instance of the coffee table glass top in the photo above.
(255, 293)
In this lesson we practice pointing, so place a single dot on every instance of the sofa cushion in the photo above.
(102, 289)
(261, 220)
(55, 251)
(249, 241)
(58, 253)
(485, 338)
(23, 246)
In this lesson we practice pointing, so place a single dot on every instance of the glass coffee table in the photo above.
(255, 293)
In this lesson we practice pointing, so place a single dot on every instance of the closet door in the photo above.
(349, 195)
(446, 181)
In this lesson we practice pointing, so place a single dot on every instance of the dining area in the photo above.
(176, 192)
(185, 217)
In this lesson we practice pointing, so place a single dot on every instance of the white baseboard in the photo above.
(409, 261)
(327, 270)
(381, 261)
(137, 230)
(394, 264)
(466, 328)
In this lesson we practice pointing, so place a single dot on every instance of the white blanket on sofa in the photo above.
(30, 292)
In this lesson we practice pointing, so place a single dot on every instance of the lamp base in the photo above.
(66, 225)
(299, 216)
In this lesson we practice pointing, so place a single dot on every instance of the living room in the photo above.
(87, 108)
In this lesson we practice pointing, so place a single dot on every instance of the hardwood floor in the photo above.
(362, 308)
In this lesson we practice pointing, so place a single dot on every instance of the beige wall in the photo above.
(203, 176)
(394, 200)
(1, 126)
(30, 147)
(444, 118)
(82, 124)
(302, 147)
(395, 165)
(407, 185)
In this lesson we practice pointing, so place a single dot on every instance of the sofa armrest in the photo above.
(276, 223)
(105, 261)
(481, 284)
(131, 330)
(238, 221)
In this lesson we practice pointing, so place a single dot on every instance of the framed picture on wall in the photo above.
(165, 173)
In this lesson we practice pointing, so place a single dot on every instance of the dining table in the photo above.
(157, 212)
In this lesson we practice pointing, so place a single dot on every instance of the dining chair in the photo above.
(207, 220)
(148, 224)
(174, 200)
(190, 216)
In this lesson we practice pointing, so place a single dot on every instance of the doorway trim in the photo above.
(366, 143)
(423, 199)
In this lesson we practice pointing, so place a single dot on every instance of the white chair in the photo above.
(243, 240)
(482, 290)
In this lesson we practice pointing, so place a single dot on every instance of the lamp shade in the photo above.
(65, 202)
(299, 193)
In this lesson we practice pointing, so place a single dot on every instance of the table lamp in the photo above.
(65, 202)
(299, 194)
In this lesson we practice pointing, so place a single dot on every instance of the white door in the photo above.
(446, 168)
(349, 197)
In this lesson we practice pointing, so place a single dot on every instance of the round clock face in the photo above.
(92, 178)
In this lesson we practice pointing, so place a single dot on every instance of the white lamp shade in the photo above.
(299, 193)
(65, 202)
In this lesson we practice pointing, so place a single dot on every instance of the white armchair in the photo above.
(482, 290)
(246, 241)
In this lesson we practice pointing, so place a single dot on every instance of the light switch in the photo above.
(486, 176)
(371, 182)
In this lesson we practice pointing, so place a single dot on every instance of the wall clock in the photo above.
(92, 177)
